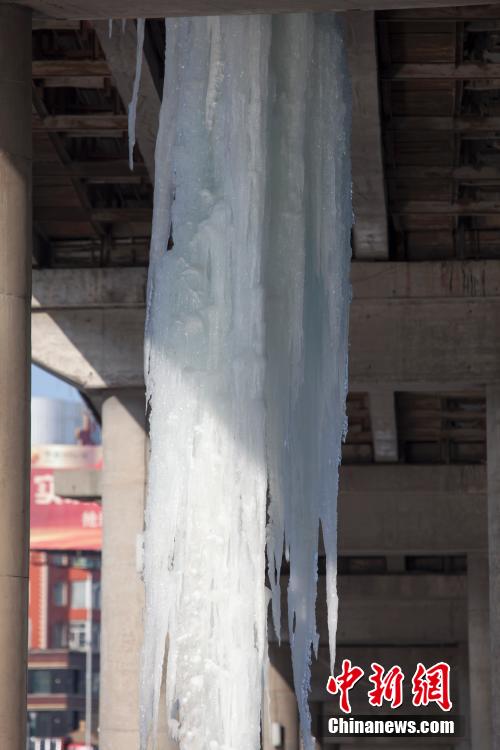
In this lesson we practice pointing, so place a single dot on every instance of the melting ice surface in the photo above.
(246, 362)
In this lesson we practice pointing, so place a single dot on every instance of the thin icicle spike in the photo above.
(132, 107)
(245, 363)
(110, 28)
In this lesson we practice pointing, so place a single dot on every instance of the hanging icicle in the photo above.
(246, 362)
(132, 108)
(306, 277)
(205, 520)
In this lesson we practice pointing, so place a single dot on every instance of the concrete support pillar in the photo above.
(479, 650)
(493, 467)
(123, 490)
(460, 688)
(282, 711)
(15, 293)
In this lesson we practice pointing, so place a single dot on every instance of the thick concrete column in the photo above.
(493, 467)
(479, 650)
(123, 490)
(15, 294)
(282, 708)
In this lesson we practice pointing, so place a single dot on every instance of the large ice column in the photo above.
(206, 513)
(246, 350)
(307, 302)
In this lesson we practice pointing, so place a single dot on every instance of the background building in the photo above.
(65, 572)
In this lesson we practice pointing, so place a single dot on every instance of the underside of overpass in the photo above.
(419, 512)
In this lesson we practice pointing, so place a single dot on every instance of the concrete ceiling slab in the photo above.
(95, 9)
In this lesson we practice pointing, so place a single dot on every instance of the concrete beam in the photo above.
(409, 587)
(88, 288)
(368, 185)
(93, 9)
(400, 508)
(78, 484)
(383, 423)
(93, 349)
(405, 510)
(88, 325)
(406, 317)
(399, 623)
(392, 610)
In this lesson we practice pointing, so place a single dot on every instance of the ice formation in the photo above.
(245, 362)
(307, 295)
(132, 108)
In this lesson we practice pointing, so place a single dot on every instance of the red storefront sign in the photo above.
(59, 523)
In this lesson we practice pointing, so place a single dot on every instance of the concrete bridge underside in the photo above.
(418, 541)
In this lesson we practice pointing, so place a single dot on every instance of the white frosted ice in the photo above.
(132, 107)
(245, 362)
(206, 513)
(307, 297)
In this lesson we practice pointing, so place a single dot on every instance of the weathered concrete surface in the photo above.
(405, 509)
(93, 9)
(282, 708)
(78, 484)
(15, 263)
(479, 650)
(88, 325)
(368, 185)
(83, 288)
(123, 484)
(493, 464)
(93, 349)
(428, 281)
(383, 424)
(406, 318)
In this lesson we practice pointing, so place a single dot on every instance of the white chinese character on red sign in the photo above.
(43, 490)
